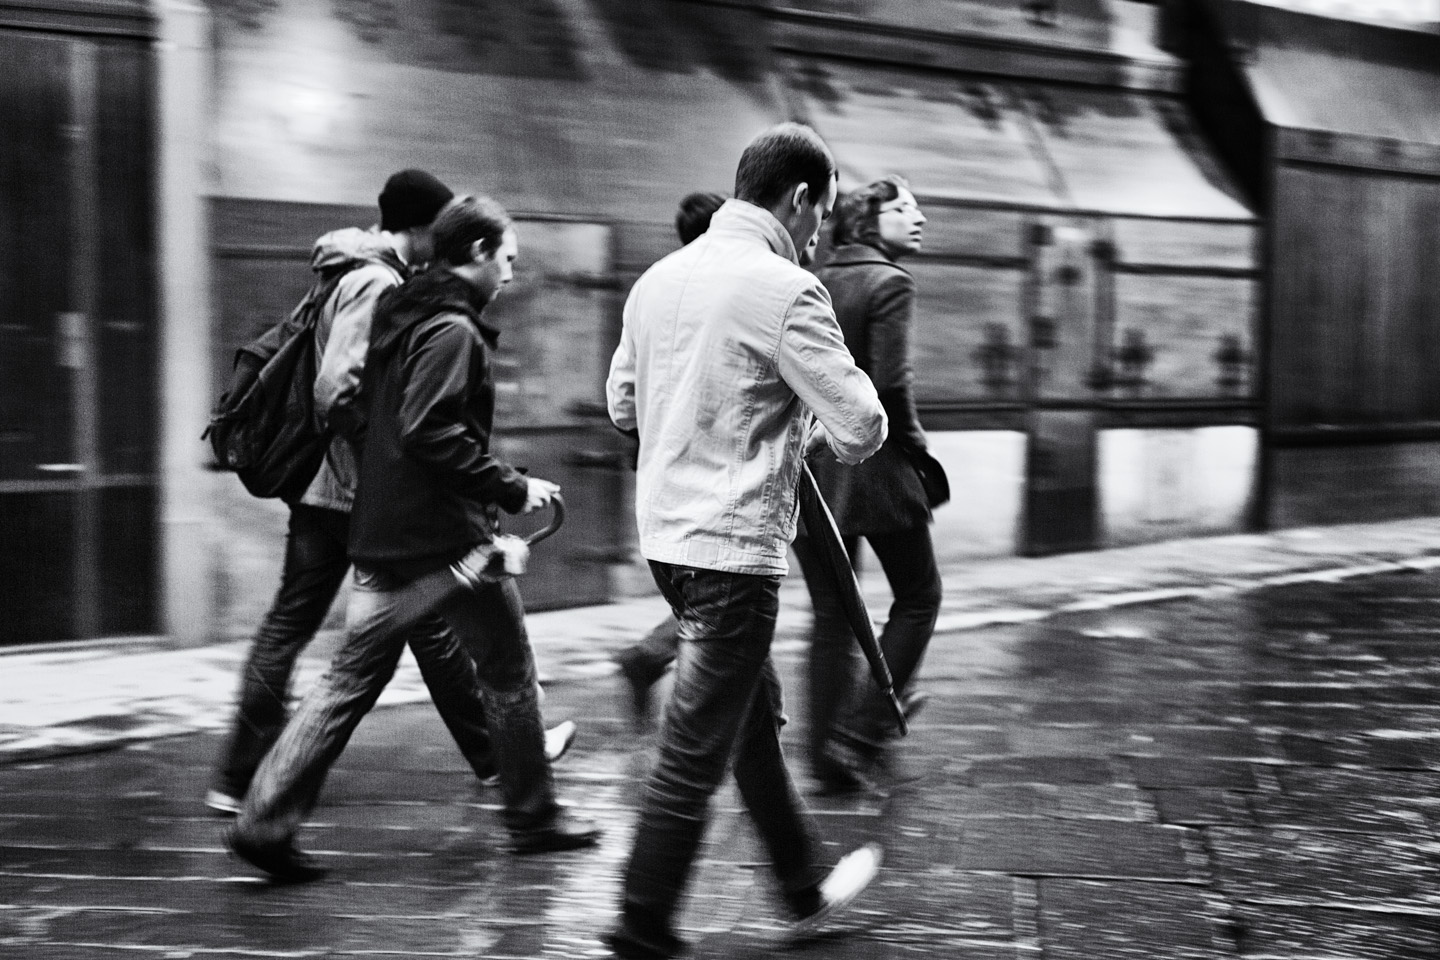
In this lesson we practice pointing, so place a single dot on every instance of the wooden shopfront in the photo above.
(79, 485)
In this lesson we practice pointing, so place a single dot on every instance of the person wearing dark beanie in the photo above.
(369, 262)
(412, 198)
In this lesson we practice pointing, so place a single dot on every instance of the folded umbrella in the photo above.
(504, 556)
(825, 537)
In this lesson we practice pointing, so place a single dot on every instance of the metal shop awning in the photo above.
(1025, 143)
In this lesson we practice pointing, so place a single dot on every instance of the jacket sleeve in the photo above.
(433, 425)
(891, 319)
(620, 385)
(338, 379)
(813, 360)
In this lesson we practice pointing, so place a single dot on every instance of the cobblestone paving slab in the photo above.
(1373, 750)
(1048, 770)
(1085, 920)
(1326, 868)
(1288, 933)
(1324, 721)
(1077, 848)
(939, 903)
(1081, 802)
(1337, 812)
(1406, 788)
(1173, 772)
(1204, 807)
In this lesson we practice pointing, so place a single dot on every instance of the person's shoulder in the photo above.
(795, 277)
(681, 258)
(452, 322)
(368, 279)
(374, 272)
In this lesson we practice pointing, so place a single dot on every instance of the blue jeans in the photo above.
(489, 622)
(315, 567)
(725, 703)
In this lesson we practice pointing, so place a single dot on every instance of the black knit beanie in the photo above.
(411, 198)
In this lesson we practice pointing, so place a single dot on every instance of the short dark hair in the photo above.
(464, 221)
(784, 155)
(857, 215)
(693, 217)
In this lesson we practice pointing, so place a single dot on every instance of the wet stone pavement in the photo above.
(1254, 775)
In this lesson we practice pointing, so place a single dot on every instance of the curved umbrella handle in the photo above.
(557, 518)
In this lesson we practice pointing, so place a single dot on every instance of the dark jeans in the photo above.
(726, 703)
(844, 701)
(315, 566)
(490, 622)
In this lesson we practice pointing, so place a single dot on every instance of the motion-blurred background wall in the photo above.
(1177, 277)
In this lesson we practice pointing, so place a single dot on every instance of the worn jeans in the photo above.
(315, 566)
(844, 701)
(490, 622)
(725, 703)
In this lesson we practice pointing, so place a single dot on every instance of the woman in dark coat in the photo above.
(882, 499)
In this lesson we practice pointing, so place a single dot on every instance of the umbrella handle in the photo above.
(557, 517)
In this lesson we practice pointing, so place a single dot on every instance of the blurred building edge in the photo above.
(191, 553)
(1174, 279)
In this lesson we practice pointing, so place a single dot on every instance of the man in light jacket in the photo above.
(727, 348)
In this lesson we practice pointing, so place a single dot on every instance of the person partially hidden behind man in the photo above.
(643, 663)
(727, 347)
(428, 492)
(881, 499)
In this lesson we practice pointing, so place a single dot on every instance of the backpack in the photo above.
(263, 427)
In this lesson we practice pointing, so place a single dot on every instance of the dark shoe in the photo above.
(838, 890)
(637, 690)
(221, 804)
(281, 860)
(632, 944)
(566, 833)
(841, 770)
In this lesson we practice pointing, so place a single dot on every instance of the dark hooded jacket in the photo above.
(428, 485)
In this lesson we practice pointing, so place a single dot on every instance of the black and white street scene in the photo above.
(720, 479)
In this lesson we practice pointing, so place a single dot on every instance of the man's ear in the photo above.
(800, 196)
(477, 251)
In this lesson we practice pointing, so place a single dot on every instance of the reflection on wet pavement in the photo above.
(1255, 775)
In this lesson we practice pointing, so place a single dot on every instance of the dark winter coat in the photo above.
(874, 301)
(428, 485)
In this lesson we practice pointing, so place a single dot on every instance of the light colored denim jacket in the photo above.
(727, 349)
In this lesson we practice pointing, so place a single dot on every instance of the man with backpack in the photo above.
(429, 491)
(353, 267)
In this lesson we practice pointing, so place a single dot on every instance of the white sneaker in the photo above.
(558, 739)
(222, 803)
(851, 876)
(557, 743)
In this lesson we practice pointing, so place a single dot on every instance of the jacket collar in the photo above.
(427, 295)
(742, 218)
(853, 253)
